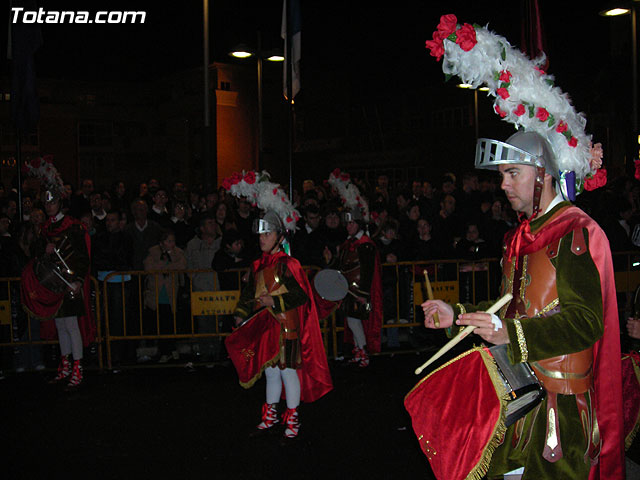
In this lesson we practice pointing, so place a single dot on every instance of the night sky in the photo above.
(334, 34)
(371, 48)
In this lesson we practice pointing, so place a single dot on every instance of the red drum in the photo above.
(37, 299)
(459, 414)
(254, 346)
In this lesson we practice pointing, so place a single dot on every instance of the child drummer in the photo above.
(278, 308)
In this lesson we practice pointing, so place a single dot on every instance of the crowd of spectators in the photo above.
(152, 226)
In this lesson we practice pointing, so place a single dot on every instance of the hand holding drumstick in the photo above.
(435, 316)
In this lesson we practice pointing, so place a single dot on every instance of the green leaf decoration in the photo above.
(452, 37)
(551, 121)
(549, 82)
(503, 53)
(532, 111)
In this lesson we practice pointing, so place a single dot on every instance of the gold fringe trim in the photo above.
(39, 317)
(258, 375)
(632, 434)
(462, 355)
(482, 467)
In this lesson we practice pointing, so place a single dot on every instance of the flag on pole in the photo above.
(533, 41)
(290, 33)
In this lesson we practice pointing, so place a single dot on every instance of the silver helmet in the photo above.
(52, 195)
(352, 215)
(523, 148)
(270, 222)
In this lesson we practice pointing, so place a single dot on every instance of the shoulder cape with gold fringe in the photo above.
(631, 396)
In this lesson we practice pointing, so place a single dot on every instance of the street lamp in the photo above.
(243, 52)
(475, 103)
(626, 8)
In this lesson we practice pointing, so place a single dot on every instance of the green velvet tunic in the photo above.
(575, 327)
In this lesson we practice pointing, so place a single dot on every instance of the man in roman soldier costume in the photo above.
(358, 260)
(563, 317)
(55, 285)
(277, 332)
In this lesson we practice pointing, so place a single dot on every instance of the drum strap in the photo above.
(552, 447)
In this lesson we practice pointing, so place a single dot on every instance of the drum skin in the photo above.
(331, 285)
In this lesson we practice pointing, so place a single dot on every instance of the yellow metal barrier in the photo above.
(215, 305)
(120, 301)
(12, 314)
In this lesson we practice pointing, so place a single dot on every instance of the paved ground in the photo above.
(168, 423)
(158, 423)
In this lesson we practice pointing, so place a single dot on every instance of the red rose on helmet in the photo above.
(499, 111)
(596, 181)
(226, 184)
(562, 127)
(35, 163)
(436, 48)
(503, 92)
(573, 142)
(345, 177)
(542, 114)
(505, 76)
(236, 178)
(447, 26)
(336, 173)
(466, 37)
(250, 177)
(520, 110)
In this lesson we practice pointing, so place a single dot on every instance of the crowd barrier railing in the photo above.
(197, 305)
(20, 331)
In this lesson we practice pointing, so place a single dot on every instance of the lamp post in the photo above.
(243, 52)
(626, 8)
(476, 124)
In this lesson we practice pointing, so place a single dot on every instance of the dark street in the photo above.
(169, 423)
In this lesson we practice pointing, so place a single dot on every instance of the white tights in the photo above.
(275, 378)
(69, 336)
(355, 325)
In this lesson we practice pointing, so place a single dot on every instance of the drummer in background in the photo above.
(73, 323)
(301, 364)
(562, 320)
(357, 259)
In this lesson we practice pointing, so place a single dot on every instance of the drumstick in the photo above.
(436, 318)
(463, 333)
(63, 279)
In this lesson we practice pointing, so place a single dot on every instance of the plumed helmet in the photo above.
(270, 222)
(522, 148)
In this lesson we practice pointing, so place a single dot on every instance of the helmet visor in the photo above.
(260, 225)
(491, 153)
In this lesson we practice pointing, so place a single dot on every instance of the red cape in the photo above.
(86, 323)
(372, 325)
(315, 379)
(606, 351)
